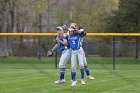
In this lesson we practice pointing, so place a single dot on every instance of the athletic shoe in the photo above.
(82, 81)
(90, 77)
(73, 83)
(60, 81)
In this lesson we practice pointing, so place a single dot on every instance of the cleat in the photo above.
(73, 83)
(90, 77)
(82, 81)
(60, 81)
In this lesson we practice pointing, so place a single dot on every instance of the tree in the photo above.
(128, 19)
(4, 22)
(15, 16)
(45, 15)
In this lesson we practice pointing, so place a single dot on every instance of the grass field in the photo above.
(29, 75)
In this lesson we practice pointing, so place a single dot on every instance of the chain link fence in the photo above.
(99, 52)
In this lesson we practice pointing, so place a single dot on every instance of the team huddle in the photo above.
(71, 46)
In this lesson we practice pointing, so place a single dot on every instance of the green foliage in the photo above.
(103, 9)
(127, 18)
(91, 14)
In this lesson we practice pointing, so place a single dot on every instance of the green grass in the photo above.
(29, 75)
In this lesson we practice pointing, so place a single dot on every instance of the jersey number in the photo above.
(73, 42)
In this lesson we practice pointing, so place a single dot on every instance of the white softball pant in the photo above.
(64, 58)
(80, 54)
(85, 60)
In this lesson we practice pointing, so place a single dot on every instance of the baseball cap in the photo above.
(59, 28)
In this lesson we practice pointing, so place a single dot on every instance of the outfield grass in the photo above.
(29, 75)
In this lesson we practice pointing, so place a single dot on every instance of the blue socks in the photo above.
(87, 70)
(73, 76)
(82, 73)
(62, 73)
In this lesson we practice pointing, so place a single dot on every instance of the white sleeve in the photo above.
(64, 40)
(67, 33)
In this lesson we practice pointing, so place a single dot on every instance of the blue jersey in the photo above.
(74, 41)
(62, 47)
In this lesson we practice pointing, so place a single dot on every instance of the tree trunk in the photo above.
(3, 40)
(10, 39)
(48, 16)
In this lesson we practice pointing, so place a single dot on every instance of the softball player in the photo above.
(74, 25)
(66, 53)
(77, 50)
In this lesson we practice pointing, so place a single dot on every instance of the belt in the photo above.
(64, 49)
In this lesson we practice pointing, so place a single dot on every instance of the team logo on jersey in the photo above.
(72, 38)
